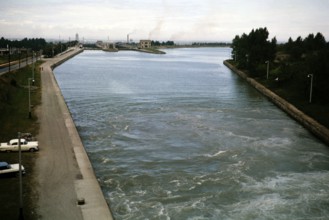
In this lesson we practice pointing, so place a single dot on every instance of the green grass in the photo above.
(14, 118)
(299, 97)
(14, 108)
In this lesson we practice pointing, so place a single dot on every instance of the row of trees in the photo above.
(307, 56)
(158, 43)
(35, 44)
(49, 49)
(212, 44)
(300, 46)
(290, 63)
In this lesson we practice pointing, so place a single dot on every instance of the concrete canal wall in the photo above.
(312, 125)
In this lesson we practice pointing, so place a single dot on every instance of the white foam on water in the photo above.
(311, 158)
(243, 137)
(106, 160)
(176, 182)
(141, 192)
(294, 194)
(215, 154)
(163, 213)
(293, 184)
(260, 207)
(110, 181)
(274, 142)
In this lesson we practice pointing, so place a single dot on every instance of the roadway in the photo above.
(4, 68)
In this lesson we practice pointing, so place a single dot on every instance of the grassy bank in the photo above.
(297, 95)
(14, 118)
(300, 98)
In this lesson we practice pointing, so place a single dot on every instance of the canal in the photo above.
(179, 136)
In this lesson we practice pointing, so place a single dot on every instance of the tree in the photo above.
(253, 49)
(310, 56)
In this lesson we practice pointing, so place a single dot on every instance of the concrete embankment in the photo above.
(68, 188)
(64, 58)
(313, 126)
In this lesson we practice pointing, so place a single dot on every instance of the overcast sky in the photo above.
(177, 20)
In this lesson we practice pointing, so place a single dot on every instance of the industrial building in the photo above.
(145, 44)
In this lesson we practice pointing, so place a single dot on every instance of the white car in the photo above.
(12, 145)
(6, 168)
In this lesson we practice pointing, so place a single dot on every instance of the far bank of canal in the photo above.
(315, 127)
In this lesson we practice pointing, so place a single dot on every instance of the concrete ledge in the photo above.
(91, 209)
(312, 125)
(65, 57)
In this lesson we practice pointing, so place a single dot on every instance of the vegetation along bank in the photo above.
(293, 75)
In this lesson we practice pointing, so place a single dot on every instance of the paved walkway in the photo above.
(63, 170)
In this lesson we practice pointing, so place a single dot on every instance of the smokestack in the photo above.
(127, 38)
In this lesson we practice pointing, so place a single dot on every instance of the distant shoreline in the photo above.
(157, 49)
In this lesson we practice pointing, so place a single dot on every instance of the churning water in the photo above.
(179, 136)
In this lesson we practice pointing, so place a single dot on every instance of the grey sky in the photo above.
(189, 20)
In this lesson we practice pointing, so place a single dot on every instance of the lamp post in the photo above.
(268, 68)
(311, 87)
(33, 54)
(29, 81)
(21, 216)
(19, 59)
(8, 48)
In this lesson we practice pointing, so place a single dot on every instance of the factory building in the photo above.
(144, 44)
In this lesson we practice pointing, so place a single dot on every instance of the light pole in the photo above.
(311, 88)
(19, 59)
(268, 68)
(29, 81)
(21, 216)
(33, 54)
(8, 48)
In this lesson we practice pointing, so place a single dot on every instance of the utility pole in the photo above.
(8, 48)
(311, 88)
(29, 81)
(19, 59)
(21, 215)
(33, 54)
(268, 68)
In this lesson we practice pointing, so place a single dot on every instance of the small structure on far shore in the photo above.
(107, 46)
(145, 44)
